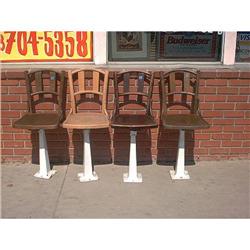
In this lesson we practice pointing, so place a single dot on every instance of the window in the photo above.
(242, 47)
(164, 46)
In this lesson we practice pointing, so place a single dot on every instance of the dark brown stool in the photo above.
(38, 92)
(189, 88)
(143, 96)
(79, 83)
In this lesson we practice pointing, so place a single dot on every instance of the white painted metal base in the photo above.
(86, 178)
(88, 174)
(132, 175)
(136, 179)
(180, 173)
(44, 172)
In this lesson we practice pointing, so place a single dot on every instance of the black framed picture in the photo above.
(128, 46)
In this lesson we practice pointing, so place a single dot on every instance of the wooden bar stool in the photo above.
(82, 91)
(188, 97)
(43, 86)
(142, 93)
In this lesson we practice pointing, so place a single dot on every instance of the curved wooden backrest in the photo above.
(80, 85)
(141, 87)
(45, 86)
(189, 86)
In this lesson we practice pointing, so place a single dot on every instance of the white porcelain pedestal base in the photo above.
(135, 179)
(44, 172)
(47, 176)
(174, 176)
(132, 175)
(88, 174)
(85, 178)
(180, 173)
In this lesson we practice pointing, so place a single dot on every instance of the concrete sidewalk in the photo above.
(216, 190)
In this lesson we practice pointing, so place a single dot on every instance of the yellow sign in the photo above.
(47, 46)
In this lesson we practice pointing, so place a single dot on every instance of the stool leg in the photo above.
(132, 175)
(180, 172)
(88, 174)
(45, 172)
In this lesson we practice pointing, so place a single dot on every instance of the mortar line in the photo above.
(60, 192)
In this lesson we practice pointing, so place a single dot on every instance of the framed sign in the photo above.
(243, 47)
(188, 45)
(128, 46)
(47, 46)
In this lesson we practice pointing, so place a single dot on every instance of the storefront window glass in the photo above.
(164, 46)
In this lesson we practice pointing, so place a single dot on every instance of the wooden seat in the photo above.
(48, 120)
(133, 87)
(87, 86)
(133, 121)
(86, 121)
(143, 97)
(79, 89)
(184, 121)
(181, 87)
(189, 87)
(44, 86)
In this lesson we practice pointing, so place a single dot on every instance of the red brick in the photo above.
(223, 121)
(228, 128)
(218, 151)
(227, 74)
(212, 113)
(237, 98)
(239, 150)
(239, 82)
(4, 90)
(14, 144)
(208, 74)
(4, 106)
(22, 151)
(205, 90)
(10, 98)
(18, 106)
(246, 144)
(6, 136)
(22, 136)
(241, 136)
(231, 143)
(9, 83)
(244, 91)
(207, 106)
(10, 114)
(221, 136)
(6, 151)
(215, 98)
(210, 143)
(245, 74)
(243, 106)
(200, 151)
(234, 114)
(5, 121)
(229, 91)
(216, 82)
(242, 122)
(224, 106)
(213, 129)
(202, 136)
(17, 90)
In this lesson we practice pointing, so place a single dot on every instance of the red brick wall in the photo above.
(224, 103)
